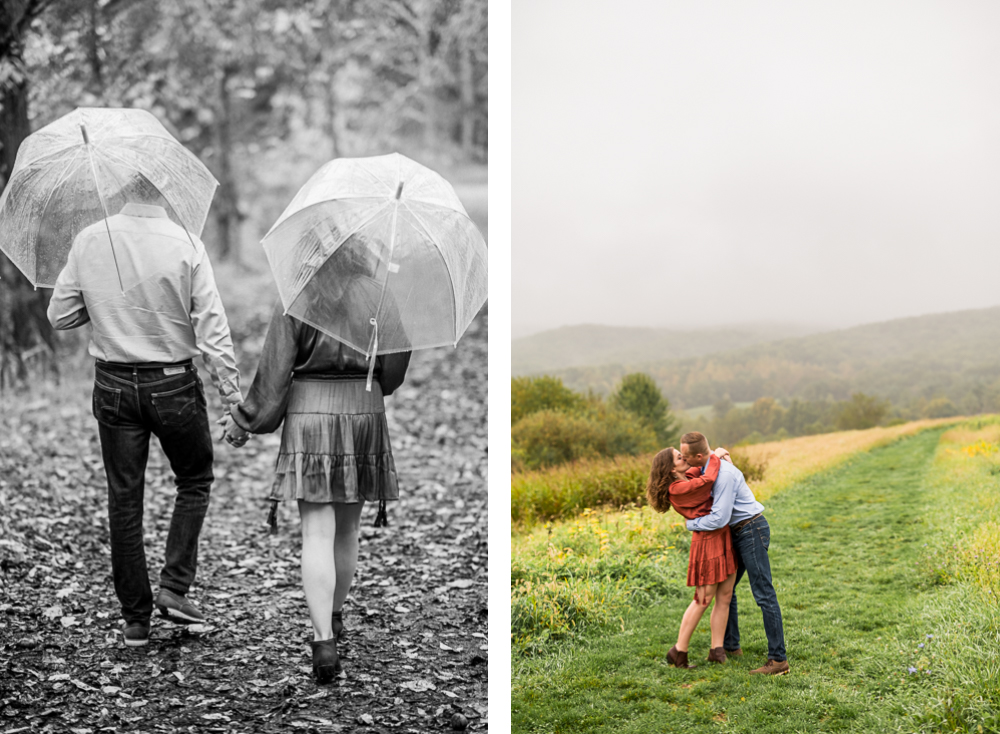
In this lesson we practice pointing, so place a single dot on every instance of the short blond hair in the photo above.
(696, 443)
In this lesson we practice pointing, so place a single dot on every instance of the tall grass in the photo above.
(561, 492)
(586, 547)
(960, 655)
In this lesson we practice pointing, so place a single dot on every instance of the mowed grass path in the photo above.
(844, 547)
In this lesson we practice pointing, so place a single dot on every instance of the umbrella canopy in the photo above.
(380, 254)
(86, 165)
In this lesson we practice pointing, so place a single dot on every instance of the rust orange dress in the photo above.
(711, 559)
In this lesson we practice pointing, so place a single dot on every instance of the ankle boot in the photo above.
(338, 625)
(326, 661)
(717, 655)
(679, 659)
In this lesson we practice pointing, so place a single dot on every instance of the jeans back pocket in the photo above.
(106, 403)
(177, 407)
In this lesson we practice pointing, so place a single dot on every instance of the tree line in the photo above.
(235, 79)
(552, 424)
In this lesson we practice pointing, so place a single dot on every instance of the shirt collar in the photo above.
(131, 209)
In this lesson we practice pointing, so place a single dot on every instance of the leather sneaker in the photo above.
(175, 608)
(717, 655)
(136, 634)
(772, 667)
(679, 659)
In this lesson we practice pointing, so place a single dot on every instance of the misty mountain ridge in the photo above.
(952, 355)
(591, 345)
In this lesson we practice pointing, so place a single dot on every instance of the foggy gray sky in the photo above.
(686, 164)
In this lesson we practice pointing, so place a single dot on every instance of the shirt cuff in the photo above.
(691, 525)
(237, 418)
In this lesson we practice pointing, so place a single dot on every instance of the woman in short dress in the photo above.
(711, 561)
(334, 456)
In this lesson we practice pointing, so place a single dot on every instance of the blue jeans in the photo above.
(130, 403)
(750, 543)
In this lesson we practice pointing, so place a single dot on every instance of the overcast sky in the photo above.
(695, 163)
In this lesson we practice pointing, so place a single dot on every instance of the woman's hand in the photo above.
(723, 454)
(232, 431)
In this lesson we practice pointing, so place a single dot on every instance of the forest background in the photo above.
(263, 93)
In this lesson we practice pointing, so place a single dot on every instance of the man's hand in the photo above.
(723, 454)
(231, 431)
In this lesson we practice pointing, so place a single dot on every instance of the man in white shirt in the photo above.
(147, 287)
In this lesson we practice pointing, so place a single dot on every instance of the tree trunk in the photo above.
(468, 93)
(331, 113)
(428, 88)
(227, 211)
(24, 328)
(93, 52)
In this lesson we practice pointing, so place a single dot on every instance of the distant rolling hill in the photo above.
(590, 345)
(953, 355)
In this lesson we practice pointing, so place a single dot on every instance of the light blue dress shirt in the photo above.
(732, 501)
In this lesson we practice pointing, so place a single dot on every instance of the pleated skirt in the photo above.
(711, 559)
(335, 444)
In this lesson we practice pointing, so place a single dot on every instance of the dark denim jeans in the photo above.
(130, 403)
(750, 543)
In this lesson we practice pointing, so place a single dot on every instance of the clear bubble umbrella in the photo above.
(86, 165)
(380, 254)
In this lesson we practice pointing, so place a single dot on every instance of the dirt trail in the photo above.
(416, 653)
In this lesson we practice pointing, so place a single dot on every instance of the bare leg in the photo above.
(319, 576)
(720, 612)
(692, 615)
(345, 549)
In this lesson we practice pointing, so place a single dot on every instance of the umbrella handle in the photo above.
(371, 366)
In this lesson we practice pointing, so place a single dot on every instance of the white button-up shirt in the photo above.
(150, 294)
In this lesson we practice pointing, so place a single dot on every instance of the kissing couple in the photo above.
(729, 540)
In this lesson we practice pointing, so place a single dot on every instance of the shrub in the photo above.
(623, 434)
(550, 437)
(530, 395)
(753, 468)
(860, 412)
(940, 408)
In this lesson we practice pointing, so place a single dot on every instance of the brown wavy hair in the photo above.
(661, 476)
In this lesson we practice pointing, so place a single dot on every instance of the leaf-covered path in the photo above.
(417, 618)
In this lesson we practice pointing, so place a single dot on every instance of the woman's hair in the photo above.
(661, 476)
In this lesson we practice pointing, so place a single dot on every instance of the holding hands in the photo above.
(231, 431)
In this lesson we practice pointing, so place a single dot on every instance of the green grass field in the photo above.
(887, 574)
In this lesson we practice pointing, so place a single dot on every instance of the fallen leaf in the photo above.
(419, 685)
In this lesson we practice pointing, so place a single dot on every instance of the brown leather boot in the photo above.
(679, 659)
(735, 653)
(717, 655)
(772, 667)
